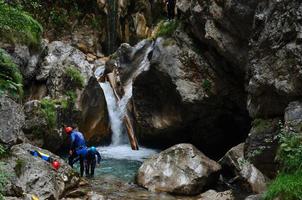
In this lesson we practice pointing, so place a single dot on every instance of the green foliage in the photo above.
(10, 76)
(288, 183)
(75, 77)
(17, 26)
(20, 164)
(290, 151)
(286, 187)
(2, 151)
(49, 111)
(166, 29)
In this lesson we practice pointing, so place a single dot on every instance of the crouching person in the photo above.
(92, 158)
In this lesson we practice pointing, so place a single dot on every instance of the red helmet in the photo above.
(68, 129)
(55, 164)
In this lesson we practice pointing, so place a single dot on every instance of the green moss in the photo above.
(260, 125)
(18, 27)
(48, 108)
(286, 187)
(75, 77)
(10, 76)
(20, 164)
(166, 29)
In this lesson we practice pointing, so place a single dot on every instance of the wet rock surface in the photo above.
(181, 169)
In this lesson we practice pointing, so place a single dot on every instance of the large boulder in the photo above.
(181, 169)
(34, 176)
(275, 59)
(11, 121)
(237, 170)
(261, 145)
(94, 120)
(59, 57)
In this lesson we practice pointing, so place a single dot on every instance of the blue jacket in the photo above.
(77, 140)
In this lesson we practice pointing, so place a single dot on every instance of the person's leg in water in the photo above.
(93, 164)
(87, 166)
(81, 166)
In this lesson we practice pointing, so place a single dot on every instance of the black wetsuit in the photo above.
(91, 159)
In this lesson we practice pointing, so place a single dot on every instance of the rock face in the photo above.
(181, 169)
(275, 58)
(199, 96)
(60, 56)
(34, 176)
(11, 121)
(293, 116)
(94, 121)
(213, 195)
(238, 170)
(261, 145)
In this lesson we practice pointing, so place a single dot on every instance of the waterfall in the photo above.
(111, 25)
(116, 112)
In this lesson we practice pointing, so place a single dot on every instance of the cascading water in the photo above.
(116, 112)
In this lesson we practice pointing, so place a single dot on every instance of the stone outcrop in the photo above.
(59, 57)
(213, 195)
(11, 121)
(240, 171)
(94, 120)
(199, 96)
(34, 176)
(293, 116)
(275, 58)
(181, 169)
(261, 145)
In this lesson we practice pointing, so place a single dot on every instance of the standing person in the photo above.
(93, 157)
(77, 147)
(171, 9)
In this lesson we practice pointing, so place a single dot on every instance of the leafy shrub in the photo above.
(75, 77)
(288, 183)
(2, 151)
(10, 76)
(17, 26)
(166, 29)
(286, 187)
(49, 111)
(289, 153)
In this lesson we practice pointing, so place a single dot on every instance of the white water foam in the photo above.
(125, 152)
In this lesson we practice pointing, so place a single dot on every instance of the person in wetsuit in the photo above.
(77, 147)
(92, 157)
(171, 9)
